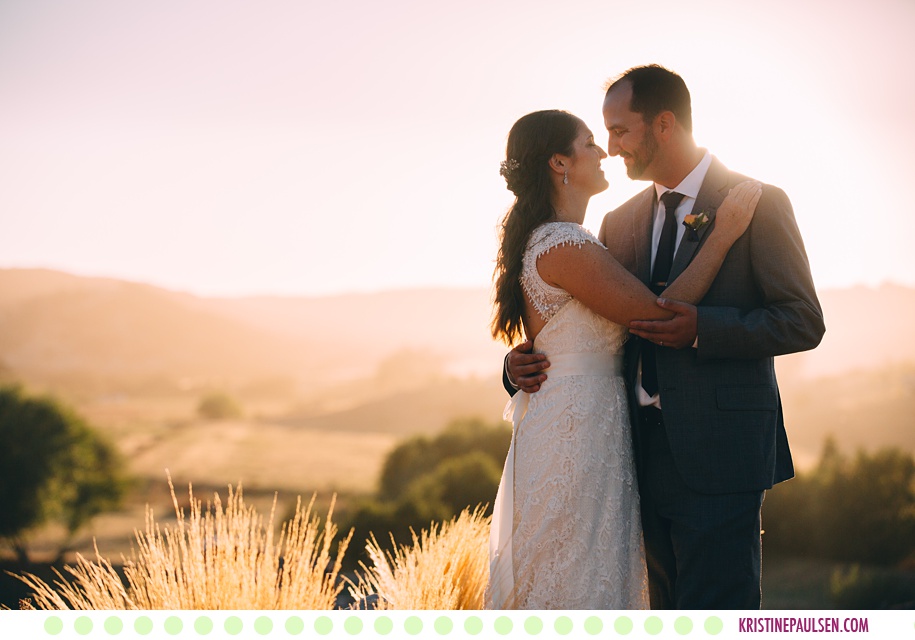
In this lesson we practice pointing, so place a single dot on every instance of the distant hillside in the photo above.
(61, 329)
(421, 410)
(866, 409)
(64, 331)
(866, 328)
(356, 331)
(57, 328)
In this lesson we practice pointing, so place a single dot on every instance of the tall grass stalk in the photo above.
(446, 568)
(219, 558)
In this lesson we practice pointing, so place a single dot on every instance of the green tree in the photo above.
(419, 456)
(53, 467)
(462, 481)
(219, 406)
(427, 480)
(859, 509)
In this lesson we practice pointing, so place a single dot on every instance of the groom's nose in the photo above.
(613, 148)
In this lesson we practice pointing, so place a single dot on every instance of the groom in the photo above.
(707, 418)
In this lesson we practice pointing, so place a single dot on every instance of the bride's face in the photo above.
(584, 169)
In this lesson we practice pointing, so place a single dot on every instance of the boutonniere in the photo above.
(695, 221)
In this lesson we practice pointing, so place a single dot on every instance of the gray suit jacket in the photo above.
(722, 409)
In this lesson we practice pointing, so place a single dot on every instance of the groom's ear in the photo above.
(664, 124)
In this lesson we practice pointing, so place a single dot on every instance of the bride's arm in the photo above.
(592, 276)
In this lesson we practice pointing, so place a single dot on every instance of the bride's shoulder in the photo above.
(555, 234)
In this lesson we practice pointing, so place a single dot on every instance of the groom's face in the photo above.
(630, 137)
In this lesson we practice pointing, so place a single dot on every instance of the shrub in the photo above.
(425, 480)
(419, 456)
(458, 483)
(857, 588)
(219, 406)
(850, 510)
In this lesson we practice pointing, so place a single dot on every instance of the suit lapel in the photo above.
(641, 234)
(713, 191)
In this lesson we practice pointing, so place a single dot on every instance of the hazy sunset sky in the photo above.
(297, 147)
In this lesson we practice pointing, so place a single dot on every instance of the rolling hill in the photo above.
(395, 363)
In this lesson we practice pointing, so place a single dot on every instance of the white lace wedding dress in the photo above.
(566, 531)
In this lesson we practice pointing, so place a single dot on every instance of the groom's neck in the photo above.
(679, 159)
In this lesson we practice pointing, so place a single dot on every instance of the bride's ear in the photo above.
(559, 163)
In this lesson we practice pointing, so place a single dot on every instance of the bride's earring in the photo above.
(565, 178)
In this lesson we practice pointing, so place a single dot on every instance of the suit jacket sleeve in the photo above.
(784, 314)
(506, 382)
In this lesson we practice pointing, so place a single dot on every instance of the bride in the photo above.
(566, 531)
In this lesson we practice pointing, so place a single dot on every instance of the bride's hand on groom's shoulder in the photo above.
(678, 332)
(525, 368)
(736, 211)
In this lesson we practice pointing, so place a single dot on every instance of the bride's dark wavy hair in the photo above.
(532, 141)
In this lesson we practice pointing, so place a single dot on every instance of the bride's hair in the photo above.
(532, 141)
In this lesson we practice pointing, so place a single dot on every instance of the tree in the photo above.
(53, 467)
(425, 480)
(219, 406)
(419, 456)
(460, 482)
(859, 509)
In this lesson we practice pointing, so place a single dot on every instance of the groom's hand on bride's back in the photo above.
(524, 368)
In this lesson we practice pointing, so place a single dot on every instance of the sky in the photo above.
(285, 147)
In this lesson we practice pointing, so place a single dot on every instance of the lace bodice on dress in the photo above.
(583, 330)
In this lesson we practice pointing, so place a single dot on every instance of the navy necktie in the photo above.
(664, 258)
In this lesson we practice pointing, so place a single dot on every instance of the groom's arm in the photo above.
(790, 318)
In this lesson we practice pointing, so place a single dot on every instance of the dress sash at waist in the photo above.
(585, 364)
(567, 364)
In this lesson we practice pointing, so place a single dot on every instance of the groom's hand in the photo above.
(525, 369)
(677, 333)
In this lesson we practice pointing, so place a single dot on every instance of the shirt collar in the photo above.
(691, 184)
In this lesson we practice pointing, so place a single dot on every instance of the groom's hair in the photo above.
(656, 89)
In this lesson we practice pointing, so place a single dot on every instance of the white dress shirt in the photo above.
(689, 187)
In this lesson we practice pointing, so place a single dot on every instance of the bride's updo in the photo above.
(532, 141)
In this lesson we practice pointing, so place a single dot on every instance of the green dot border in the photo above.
(113, 625)
(233, 625)
(653, 625)
(403, 624)
(83, 625)
(53, 625)
(203, 625)
(713, 625)
(143, 625)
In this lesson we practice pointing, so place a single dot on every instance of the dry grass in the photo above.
(219, 558)
(446, 568)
